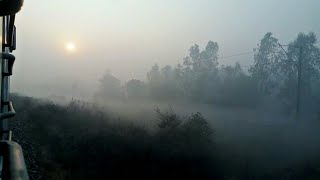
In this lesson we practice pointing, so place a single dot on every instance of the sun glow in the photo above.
(70, 47)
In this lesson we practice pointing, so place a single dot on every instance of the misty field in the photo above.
(194, 120)
(83, 141)
(160, 90)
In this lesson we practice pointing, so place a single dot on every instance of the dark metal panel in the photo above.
(13, 161)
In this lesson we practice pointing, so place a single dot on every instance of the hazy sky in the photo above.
(128, 36)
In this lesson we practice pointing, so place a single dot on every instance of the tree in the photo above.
(163, 84)
(265, 68)
(136, 89)
(210, 56)
(235, 87)
(204, 61)
(154, 74)
(310, 65)
(200, 68)
(110, 87)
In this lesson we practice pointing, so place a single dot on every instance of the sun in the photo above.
(70, 47)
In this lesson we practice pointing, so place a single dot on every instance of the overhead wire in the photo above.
(236, 55)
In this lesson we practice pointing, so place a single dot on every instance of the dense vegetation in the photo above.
(78, 141)
(200, 79)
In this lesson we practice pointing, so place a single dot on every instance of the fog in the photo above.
(158, 76)
(128, 37)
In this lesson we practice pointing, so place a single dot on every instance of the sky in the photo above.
(127, 37)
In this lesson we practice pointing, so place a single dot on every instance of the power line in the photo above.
(286, 52)
(235, 55)
(240, 54)
(281, 46)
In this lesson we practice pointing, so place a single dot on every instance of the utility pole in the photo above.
(299, 66)
(299, 83)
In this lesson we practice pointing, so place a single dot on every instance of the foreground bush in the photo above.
(80, 142)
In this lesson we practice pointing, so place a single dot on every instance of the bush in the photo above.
(78, 141)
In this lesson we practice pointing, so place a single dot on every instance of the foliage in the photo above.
(310, 54)
(136, 89)
(200, 80)
(78, 141)
(110, 87)
(266, 59)
(168, 120)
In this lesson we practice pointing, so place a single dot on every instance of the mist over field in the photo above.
(236, 123)
(178, 90)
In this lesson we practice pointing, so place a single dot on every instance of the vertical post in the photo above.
(4, 79)
(299, 83)
(12, 165)
(1, 50)
(3, 41)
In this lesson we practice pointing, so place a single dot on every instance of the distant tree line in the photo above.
(199, 77)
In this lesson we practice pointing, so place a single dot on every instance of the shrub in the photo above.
(78, 141)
